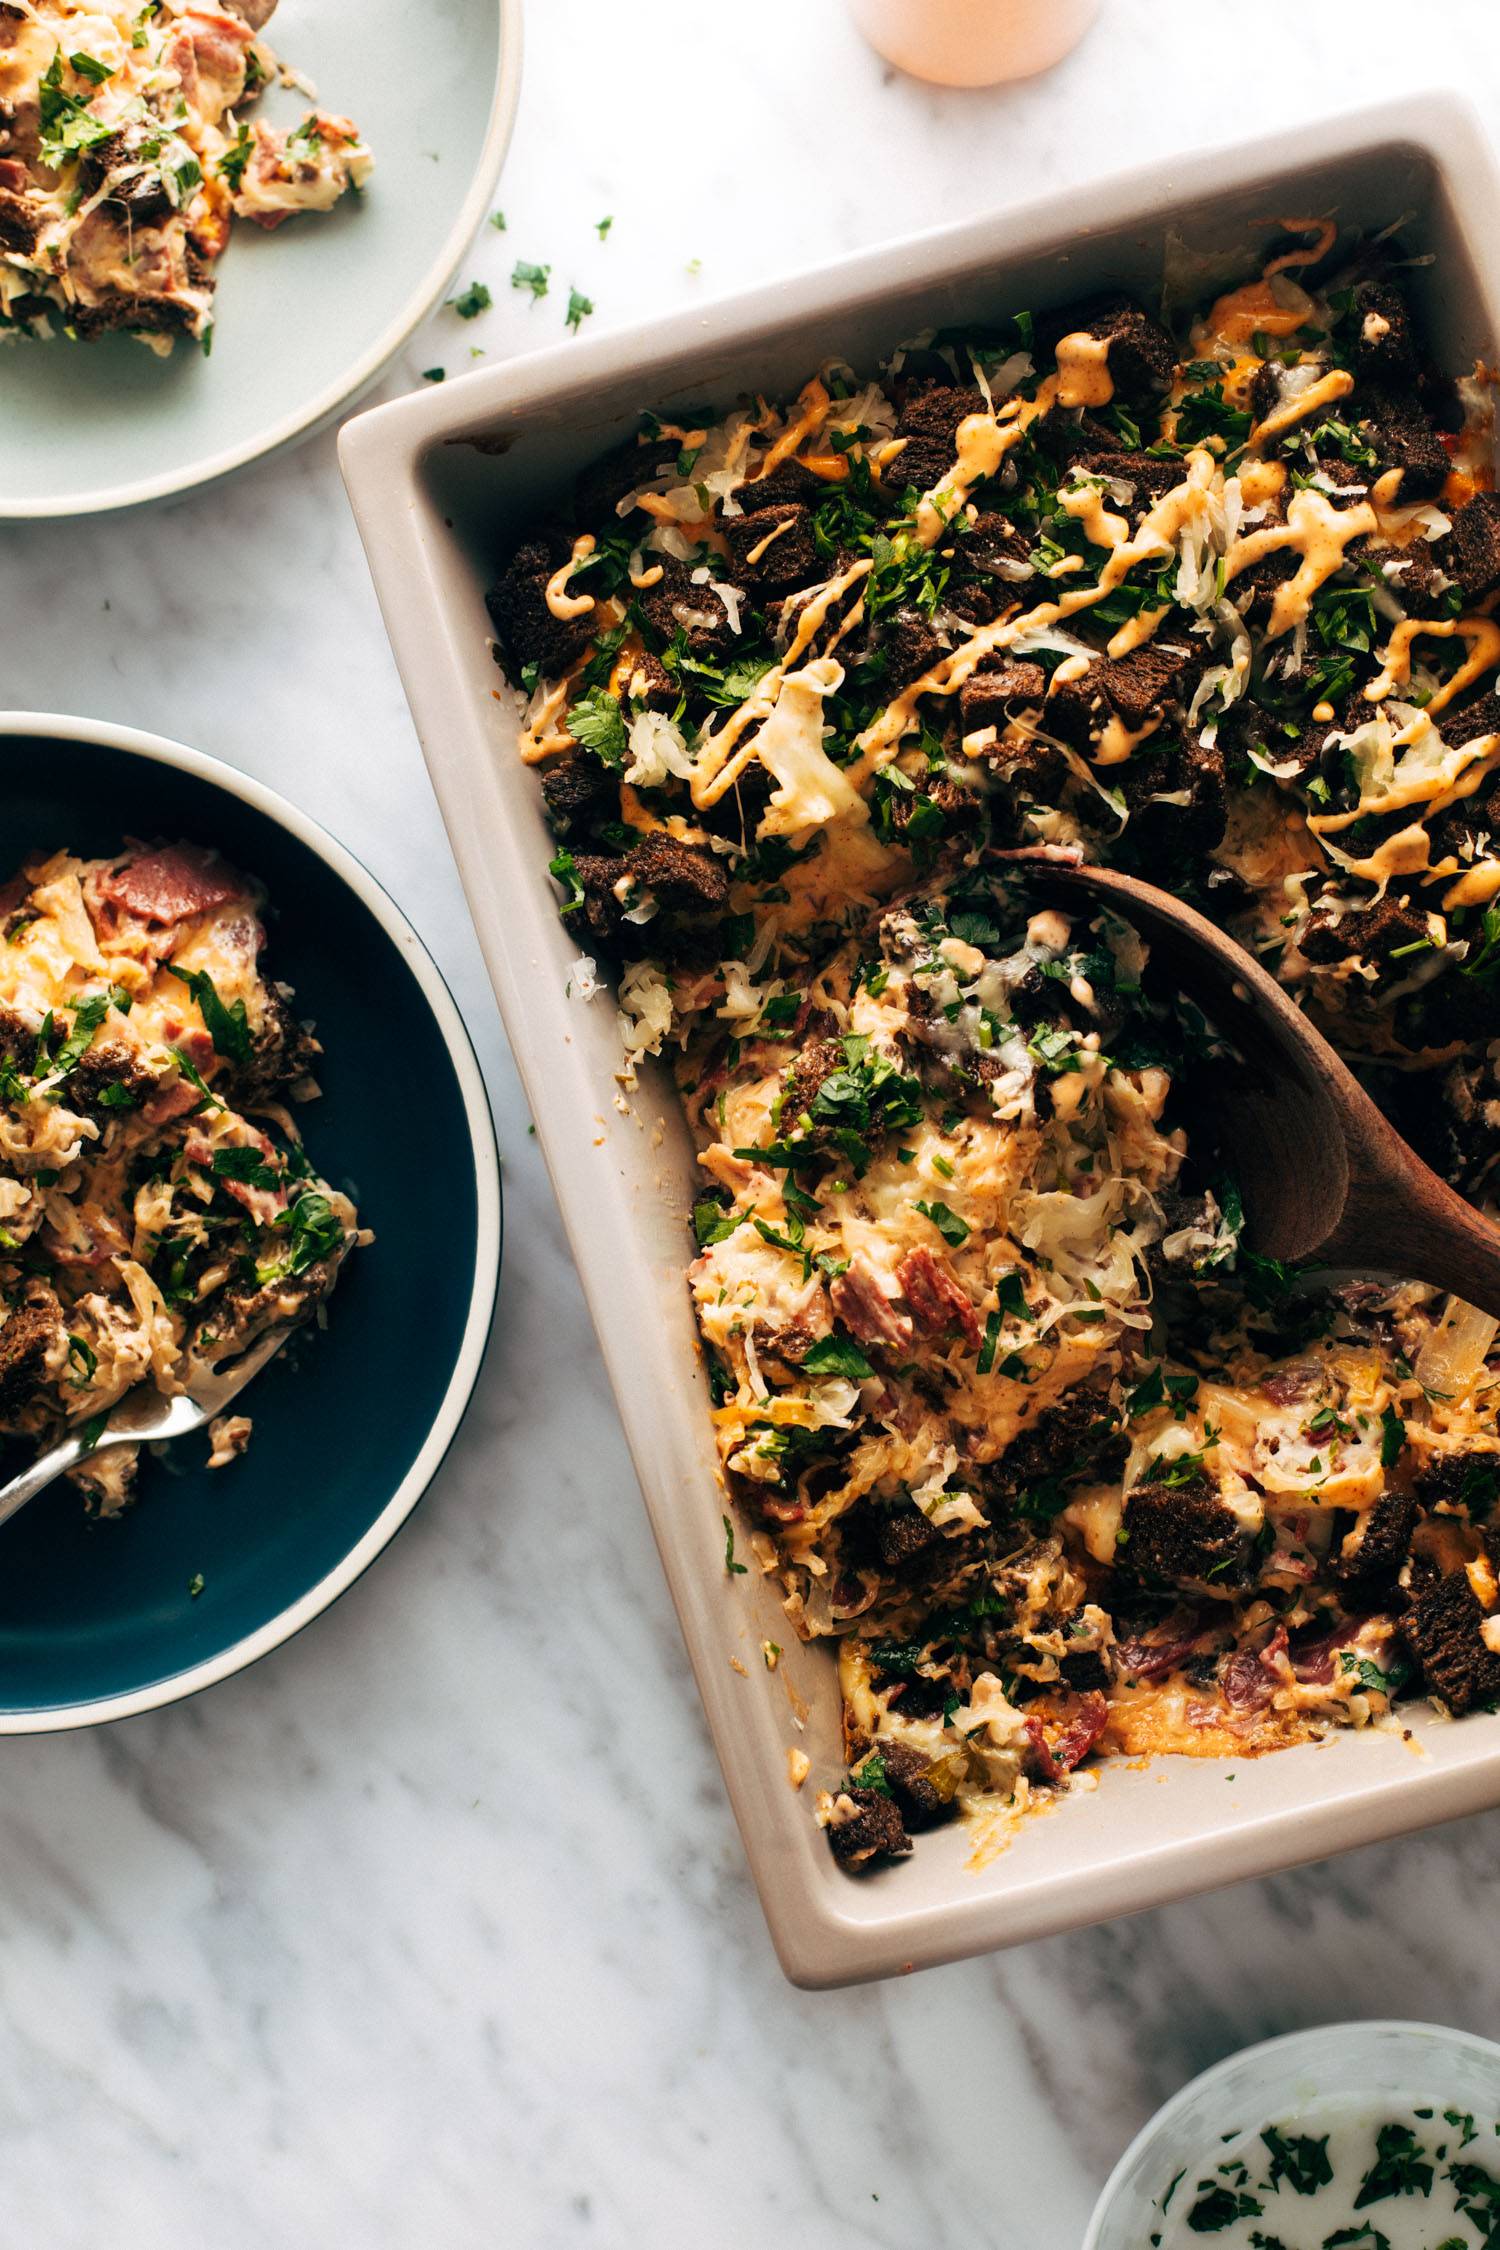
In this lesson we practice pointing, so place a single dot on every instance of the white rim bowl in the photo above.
(160, 751)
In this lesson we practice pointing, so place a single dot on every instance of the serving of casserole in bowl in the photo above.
(1162, 539)
(207, 1010)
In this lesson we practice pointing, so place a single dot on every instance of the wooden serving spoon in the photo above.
(1321, 1172)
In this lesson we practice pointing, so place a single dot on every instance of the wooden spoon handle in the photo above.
(1403, 1219)
(1325, 1175)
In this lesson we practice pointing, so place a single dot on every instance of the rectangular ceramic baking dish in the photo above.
(442, 484)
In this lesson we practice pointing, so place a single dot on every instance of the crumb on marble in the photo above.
(228, 1435)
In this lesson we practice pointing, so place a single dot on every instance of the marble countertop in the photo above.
(413, 1935)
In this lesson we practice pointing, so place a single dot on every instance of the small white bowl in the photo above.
(100, 1628)
(1402, 2062)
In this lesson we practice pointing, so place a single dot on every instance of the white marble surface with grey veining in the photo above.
(416, 1935)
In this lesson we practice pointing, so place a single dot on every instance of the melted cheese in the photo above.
(811, 790)
(1427, 772)
(717, 770)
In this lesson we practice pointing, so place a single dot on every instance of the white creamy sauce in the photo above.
(1343, 2172)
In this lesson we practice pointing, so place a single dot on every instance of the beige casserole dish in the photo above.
(441, 485)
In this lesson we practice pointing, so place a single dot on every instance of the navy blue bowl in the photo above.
(99, 1619)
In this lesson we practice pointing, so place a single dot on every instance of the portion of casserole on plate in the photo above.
(157, 1210)
(125, 158)
(1003, 1401)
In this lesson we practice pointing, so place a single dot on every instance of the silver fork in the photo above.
(143, 1417)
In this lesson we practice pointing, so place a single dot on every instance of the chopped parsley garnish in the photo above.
(711, 1223)
(1392, 1437)
(1217, 2207)
(1204, 414)
(1298, 2159)
(1370, 1676)
(67, 124)
(235, 158)
(1478, 2195)
(835, 1355)
(728, 686)
(525, 276)
(313, 1233)
(86, 1021)
(1485, 963)
(792, 1239)
(950, 1226)
(869, 1097)
(1150, 1392)
(1401, 2167)
(195, 1077)
(579, 308)
(316, 1233)
(245, 1165)
(1347, 442)
(227, 1026)
(597, 723)
(473, 301)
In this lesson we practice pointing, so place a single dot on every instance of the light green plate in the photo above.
(307, 317)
